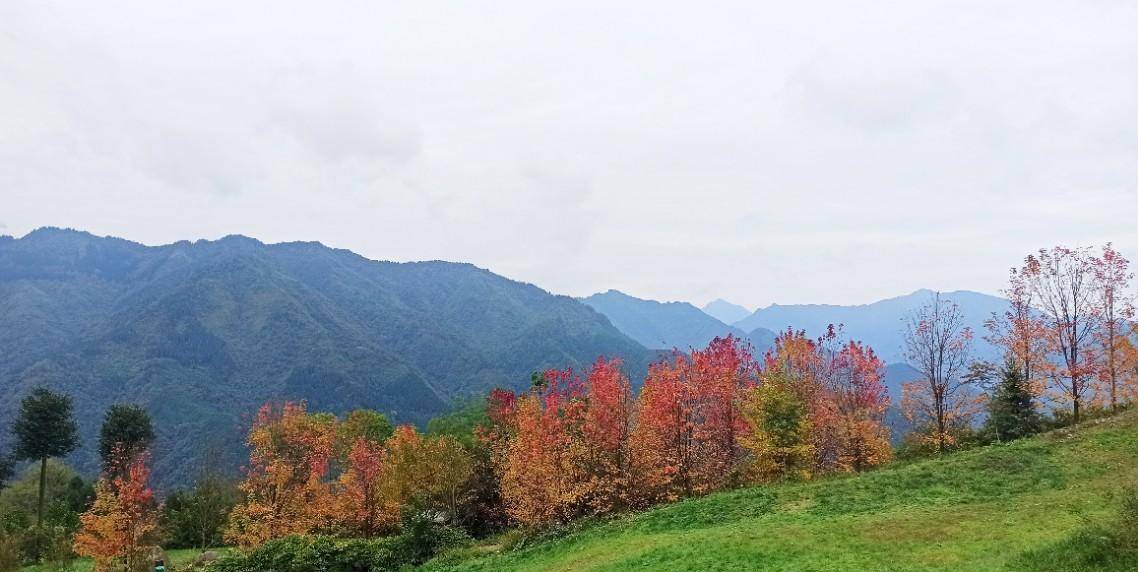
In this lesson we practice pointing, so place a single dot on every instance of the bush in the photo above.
(1106, 546)
(421, 540)
(11, 557)
(195, 518)
(913, 447)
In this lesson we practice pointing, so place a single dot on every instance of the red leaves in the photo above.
(842, 387)
(566, 454)
(120, 520)
(687, 436)
(362, 507)
(574, 446)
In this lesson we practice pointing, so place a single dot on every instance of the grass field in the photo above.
(1044, 504)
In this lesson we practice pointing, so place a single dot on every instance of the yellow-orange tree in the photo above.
(121, 519)
(841, 387)
(425, 473)
(286, 490)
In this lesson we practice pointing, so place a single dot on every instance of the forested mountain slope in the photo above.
(201, 333)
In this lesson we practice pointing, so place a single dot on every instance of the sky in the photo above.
(762, 152)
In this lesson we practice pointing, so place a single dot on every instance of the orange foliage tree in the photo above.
(857, 390)
(363, 508)
(121, 519)
(688, 434)
(1021, 333)
(841, 386)
(1116, 310)
(286, 490)
(563, 447)
(604, 448)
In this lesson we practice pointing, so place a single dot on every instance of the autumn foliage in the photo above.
(704, 421)
(118, 525)
(286, 489)
(564, 447)
(688, 435)
(1070, 327)
(313, 473)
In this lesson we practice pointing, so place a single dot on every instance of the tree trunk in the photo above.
(1076, 408)
(43, 487)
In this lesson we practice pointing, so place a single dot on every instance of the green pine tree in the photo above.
(44, 429)
(127, 427)
(1011, 410)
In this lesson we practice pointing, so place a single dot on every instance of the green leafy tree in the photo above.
(461, 423)
(779, 440)
(130, 428)
(1011, 410)
(371, 425)
(196, 518)
(44, 429)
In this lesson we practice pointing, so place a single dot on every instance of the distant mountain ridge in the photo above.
(879, 324)
(201, 333)
(668, 325)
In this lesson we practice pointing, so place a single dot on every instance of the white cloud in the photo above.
(814, 152)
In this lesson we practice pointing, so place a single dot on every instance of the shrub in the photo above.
(422, 540)
(1107, 546)
(11, 557)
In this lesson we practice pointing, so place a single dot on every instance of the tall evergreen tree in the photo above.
(1011, 411)
(127, 427)
(44, 429)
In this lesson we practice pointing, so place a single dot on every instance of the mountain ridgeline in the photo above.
(880, 324)
(669, 325)
(202, 333)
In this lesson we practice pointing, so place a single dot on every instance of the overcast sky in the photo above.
(759, 151)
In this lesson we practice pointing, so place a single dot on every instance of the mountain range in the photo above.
(201, 333)
(669, 325)
(880, 324)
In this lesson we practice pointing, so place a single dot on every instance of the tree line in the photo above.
(1068, 344)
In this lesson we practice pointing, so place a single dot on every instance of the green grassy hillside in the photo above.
(1051, 503)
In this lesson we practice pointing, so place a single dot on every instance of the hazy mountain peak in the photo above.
(725, 311)
(665, 325)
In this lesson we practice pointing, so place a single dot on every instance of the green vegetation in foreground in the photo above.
(176, 559)
(1052, 503)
